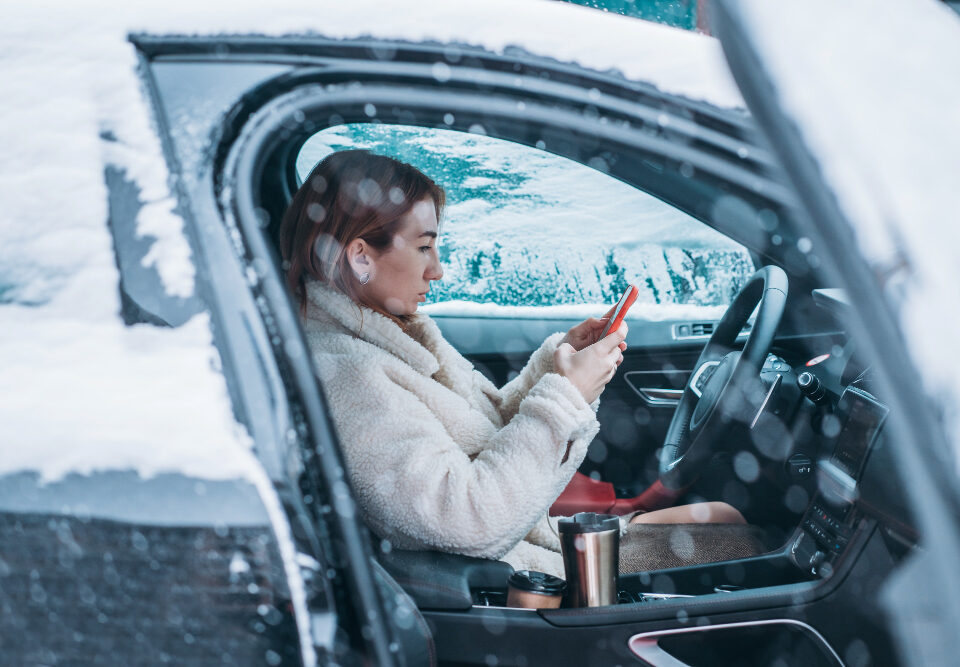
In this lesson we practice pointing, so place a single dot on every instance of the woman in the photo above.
(438, 456)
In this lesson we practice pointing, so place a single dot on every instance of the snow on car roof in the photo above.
(874, 86)
(82, 391)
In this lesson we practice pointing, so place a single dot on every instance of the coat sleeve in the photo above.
(412, 478)
(509, 397)
(545, 533)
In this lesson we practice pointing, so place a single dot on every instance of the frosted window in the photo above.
(529, 233)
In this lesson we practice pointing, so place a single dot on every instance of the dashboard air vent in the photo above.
(701, 328)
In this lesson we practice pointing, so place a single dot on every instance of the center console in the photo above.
(829, 522)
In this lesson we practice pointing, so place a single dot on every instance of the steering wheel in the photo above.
(724, 389)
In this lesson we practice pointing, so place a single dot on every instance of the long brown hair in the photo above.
(349, 195)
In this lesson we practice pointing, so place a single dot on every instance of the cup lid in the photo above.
(537, 582)
(589, 522)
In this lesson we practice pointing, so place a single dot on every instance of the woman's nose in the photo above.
(435, 270)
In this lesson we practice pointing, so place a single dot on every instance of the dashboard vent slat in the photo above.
(701, 330)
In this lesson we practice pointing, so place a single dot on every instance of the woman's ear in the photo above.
(358, 256)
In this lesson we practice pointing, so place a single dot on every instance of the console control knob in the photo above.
(799, 466)
(816, 560)
(811, 387)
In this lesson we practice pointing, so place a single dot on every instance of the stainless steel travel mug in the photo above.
(590, 544)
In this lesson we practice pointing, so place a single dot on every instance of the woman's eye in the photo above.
(425, 248)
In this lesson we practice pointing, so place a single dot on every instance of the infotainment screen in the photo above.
(861, 417)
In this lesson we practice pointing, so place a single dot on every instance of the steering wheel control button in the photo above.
(811, 387)
(712, 390)
(800, 466)
(702, 376)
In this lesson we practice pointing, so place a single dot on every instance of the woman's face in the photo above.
(400, 276)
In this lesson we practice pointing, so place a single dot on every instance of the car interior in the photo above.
(770, 407)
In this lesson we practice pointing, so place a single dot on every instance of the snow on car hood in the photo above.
(82, 396)
(874, 87)
(84, 392)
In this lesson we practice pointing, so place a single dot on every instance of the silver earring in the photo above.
(364, 278)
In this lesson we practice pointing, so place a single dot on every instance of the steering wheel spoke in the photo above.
(701, 377)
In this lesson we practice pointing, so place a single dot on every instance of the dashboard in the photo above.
(850, 460)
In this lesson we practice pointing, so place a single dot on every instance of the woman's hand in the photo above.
(588, 332)
(592, 367)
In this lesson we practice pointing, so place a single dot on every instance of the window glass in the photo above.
(530, 234)
(688, 14)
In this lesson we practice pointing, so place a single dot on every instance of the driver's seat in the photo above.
(585, 494)
(660, 546)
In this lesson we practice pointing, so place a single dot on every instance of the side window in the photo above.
(527, 233)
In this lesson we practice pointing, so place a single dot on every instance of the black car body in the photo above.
(274, 564)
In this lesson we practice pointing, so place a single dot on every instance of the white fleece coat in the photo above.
(438, 456)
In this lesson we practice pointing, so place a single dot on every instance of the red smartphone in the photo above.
(623, 305)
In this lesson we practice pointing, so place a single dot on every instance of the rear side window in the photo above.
(527, 233)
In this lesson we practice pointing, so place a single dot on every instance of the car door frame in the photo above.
(274, 394)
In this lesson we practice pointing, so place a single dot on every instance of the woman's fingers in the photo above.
(613, 339)
(616, 356)
(586, 333)
(591, 368)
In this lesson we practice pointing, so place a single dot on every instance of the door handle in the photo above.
(657, 396)
(649, 386)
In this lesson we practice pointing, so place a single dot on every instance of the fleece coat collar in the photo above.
(373, 327)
